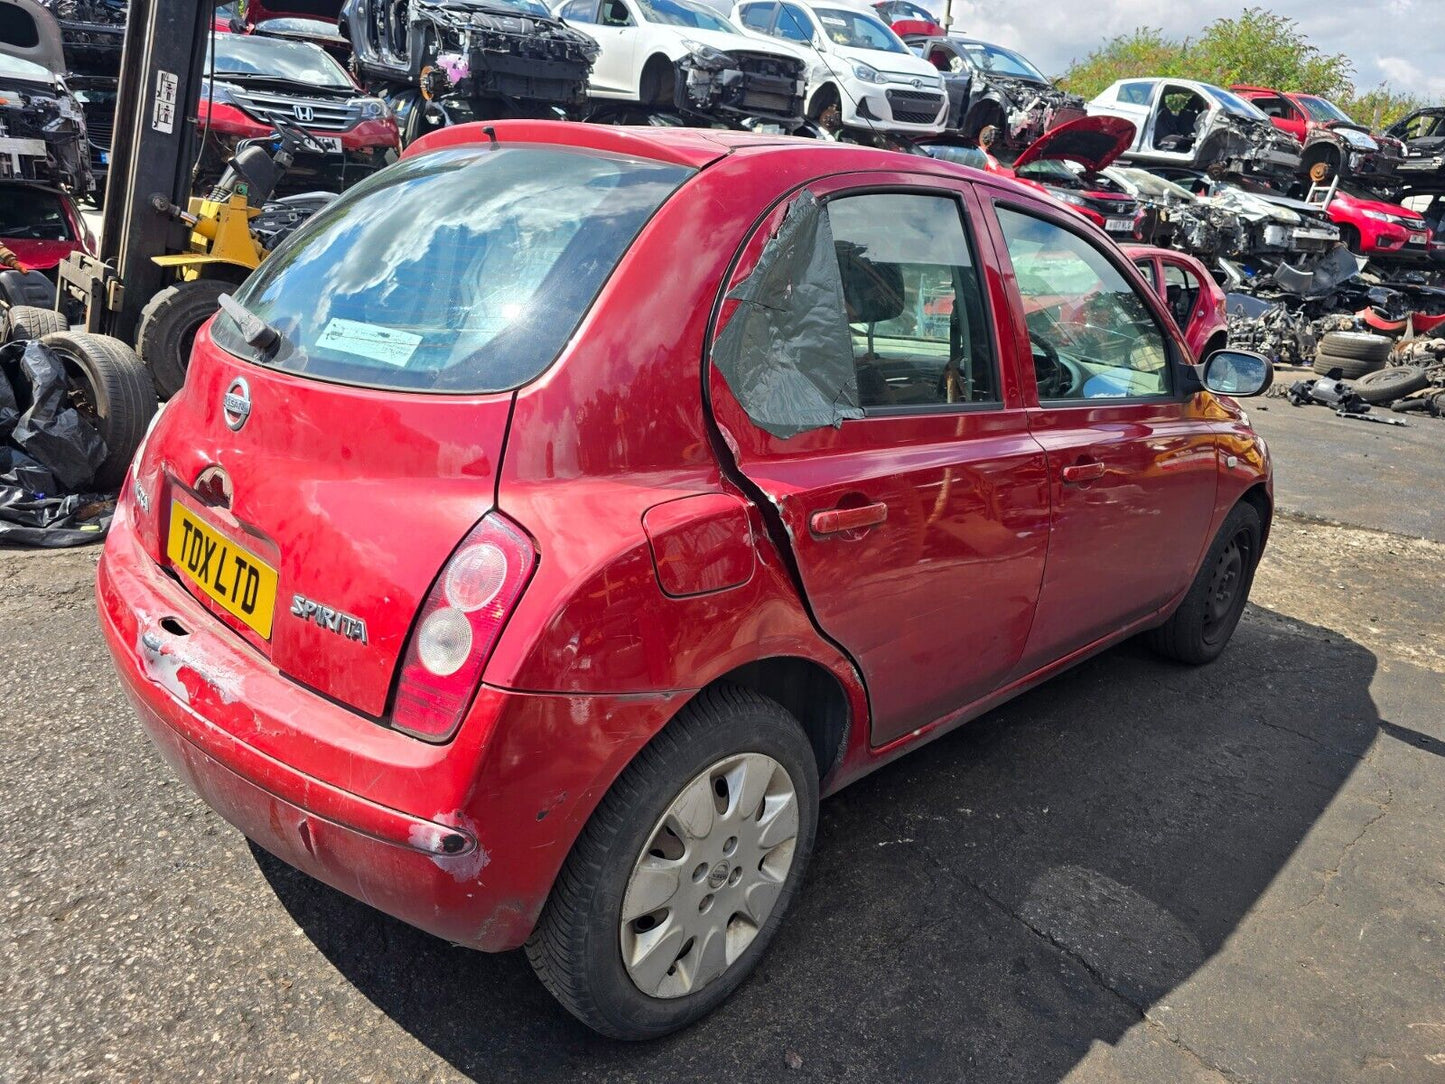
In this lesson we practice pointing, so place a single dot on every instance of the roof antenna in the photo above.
(491, 134)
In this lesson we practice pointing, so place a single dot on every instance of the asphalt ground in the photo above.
(1139, 872)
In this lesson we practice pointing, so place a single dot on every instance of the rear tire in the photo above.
(29, 322)
(1197, 632)
(111, 388)
(736, 750)
(168, 326)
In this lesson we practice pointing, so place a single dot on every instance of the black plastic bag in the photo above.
(52, 522)
(52, 432)
(787, 353)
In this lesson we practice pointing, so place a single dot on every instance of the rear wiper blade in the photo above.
(254, 330)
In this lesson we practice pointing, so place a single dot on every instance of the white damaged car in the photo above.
(862, 76)
(682, 56)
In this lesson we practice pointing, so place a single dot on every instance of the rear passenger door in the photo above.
(918, 524)
(1132, 470)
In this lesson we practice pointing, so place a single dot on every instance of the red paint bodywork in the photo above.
(1378, 238)
(46, 255)
(1209, 319)
(229, 124)
(660, 567)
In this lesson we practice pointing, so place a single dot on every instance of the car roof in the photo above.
(695, 147)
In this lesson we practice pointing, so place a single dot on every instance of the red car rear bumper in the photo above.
(462, 840)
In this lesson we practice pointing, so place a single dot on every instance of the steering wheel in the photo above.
(1049, 373)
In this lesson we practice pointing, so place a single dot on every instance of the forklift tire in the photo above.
(28, 322)
(110, 387)
(168, 326)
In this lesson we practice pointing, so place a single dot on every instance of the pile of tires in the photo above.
(1352, 353)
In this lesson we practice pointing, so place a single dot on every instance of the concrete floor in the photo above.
(1137, 873)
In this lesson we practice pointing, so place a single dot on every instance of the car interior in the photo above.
(1181, 293)
(911, 338)
(1177, 120)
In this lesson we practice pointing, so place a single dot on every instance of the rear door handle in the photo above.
(1083, 472)
(837, 520)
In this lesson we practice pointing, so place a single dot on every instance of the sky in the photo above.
(1398, 41)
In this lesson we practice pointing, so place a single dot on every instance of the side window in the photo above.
(1181, 291)
(1135, 93)
(580, 11)
(913, 301)
(793, 25)
(1093, 336)
(615, 13)
(1146, 268)
(759, 17)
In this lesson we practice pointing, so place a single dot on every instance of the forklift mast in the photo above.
(152, 153)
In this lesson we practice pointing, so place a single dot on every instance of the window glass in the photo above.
(462, 270)
(793, 24)
(580, 11)
(855, 30)
(759, 16)
(33, 214)
(684, 14)
(1146, 268)
(1323, 111)
(1135, 93)
(251, 56)
(999, 61)
(913, 302)
(615, 13)
(1181, 291)
(1093, 336)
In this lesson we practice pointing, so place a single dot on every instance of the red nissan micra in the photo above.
(565, 509)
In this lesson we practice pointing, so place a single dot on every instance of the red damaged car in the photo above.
(545, 529)
(257, 77)
(1067, 162)
(1197, 303)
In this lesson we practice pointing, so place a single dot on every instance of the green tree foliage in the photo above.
(1257, 47)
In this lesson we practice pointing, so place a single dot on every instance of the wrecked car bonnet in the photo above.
(1092, 142)
(48, 50)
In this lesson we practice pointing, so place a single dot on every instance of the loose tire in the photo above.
(1355, 344)
(1349, 368)
(1199, 629)
(110, 387)
(683, 874)
(29, 322)
(1387, 385)
(168, 326)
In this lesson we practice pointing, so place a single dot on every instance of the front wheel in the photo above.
(682, 876)
(1202, 625)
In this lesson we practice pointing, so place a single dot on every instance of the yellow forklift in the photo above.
(232, 229)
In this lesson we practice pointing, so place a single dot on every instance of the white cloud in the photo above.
(1055, 32)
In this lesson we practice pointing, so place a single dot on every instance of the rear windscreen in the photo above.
(462, 270)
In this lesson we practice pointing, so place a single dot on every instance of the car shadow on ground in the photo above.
(985, 908)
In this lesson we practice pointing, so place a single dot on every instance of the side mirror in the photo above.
(1239, 373)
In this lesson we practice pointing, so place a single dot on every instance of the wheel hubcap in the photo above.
(709, 875)
(1224, 584)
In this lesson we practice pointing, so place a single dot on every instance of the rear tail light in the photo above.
(458, 627)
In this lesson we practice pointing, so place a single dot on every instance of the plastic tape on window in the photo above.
(787, 354)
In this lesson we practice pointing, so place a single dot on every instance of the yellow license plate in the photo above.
(244, 585)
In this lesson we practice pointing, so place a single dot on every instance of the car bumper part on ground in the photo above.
(462, 840)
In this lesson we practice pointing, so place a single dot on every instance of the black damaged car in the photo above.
(450, 61)
(1423, 133)
(42, 128)
(990, 87)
